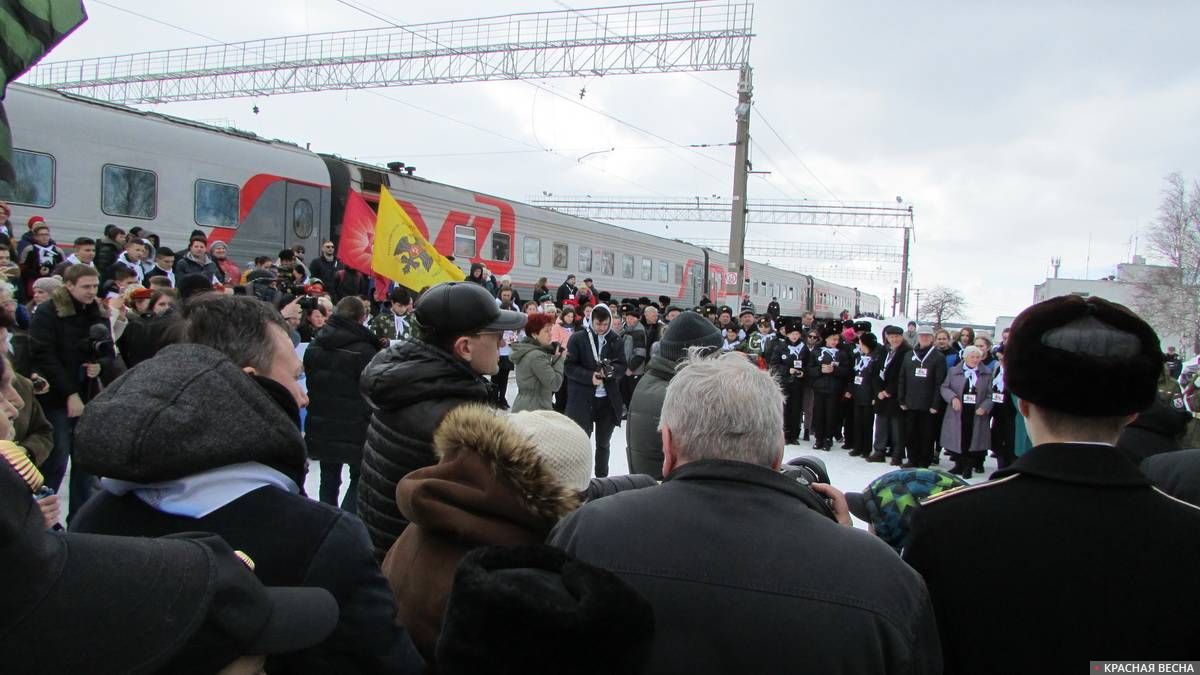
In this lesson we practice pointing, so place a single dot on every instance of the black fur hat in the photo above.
(869, 340)
(604, 296)
(1089, 358)
(535, 610)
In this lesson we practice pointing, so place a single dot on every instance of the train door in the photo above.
(302, 218)
(809, 293)
(857, 302)
(694, 286)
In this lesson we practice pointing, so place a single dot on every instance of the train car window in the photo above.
(561, 256)
(34, 185)
(128, 192)
(464, 241)
(647, 269)
(585, 259)
(664, 271)
(501, 246)
(216, 204)
(678, 273)
(533, 252)
(627, 266)
(608, 263)
(302, 218)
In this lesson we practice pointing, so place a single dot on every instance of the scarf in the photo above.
(76, 261)
(863, 363)
(46, 254)
(796, 349)
(200, 494)
(972, 375)
(832, 352)
(998, 380)
(134, 267)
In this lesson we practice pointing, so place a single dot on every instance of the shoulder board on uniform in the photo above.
(969, 488)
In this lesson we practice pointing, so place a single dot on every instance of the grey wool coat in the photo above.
(539, 375)
(952, 388)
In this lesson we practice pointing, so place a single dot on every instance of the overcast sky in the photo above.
(1019, 132)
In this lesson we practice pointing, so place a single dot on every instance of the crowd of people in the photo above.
(190, 397)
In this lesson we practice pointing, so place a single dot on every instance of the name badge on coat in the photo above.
(998, 398)
(921, 372)
(858, 380)
(969, 399)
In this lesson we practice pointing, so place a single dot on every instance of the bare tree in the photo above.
(1169, 297)
(941, 304)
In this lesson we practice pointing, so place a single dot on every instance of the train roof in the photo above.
(149, 114)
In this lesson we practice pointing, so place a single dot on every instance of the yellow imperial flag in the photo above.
(402, 254)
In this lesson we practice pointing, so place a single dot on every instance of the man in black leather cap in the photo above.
(412, 385)
(1089, 559)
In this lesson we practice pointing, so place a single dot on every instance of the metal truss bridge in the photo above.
(695, 35)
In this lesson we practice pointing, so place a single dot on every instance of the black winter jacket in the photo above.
(107, 251)
(864, 391)
(782, 362)
(890, 380)
(347, 281)
(190, 410)
(325, 270)
(737, 560)
(59, 336)
(579, 367)
(410, 387)
(923, 393)
(145, 335)
(828, 383)
(337, 412)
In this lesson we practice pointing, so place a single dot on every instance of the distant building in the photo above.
(1119, 288)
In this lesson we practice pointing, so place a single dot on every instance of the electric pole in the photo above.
(917, 311)
(904, 275)
(735, 276)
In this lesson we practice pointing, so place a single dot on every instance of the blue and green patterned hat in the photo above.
(890, 500)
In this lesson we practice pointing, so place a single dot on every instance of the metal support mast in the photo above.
(734, 279)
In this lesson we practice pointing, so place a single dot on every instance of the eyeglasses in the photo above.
(814, 337)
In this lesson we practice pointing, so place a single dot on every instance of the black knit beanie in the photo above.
(689, 329)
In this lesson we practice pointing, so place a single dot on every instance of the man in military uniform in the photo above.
(1089, 560)
(393, 323)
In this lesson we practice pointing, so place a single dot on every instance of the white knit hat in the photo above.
(562, 445)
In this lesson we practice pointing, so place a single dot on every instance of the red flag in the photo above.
(358, 240)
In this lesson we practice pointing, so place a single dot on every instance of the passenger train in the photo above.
(83, 163)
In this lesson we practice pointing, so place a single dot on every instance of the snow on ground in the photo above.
(849, 474)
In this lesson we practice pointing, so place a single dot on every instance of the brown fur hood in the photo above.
(64, 304)
(489, 463)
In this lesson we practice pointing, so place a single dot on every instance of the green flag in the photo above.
(28, 30)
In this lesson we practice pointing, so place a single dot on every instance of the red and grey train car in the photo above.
(83, 163)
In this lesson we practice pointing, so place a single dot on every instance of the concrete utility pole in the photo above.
(735, 276)
(904, 275)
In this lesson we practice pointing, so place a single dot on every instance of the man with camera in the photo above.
(65, 334)
(738, 559)
(594, 366)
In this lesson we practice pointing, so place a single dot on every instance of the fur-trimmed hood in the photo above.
(65, 305)
(474, 437)
(489, 488)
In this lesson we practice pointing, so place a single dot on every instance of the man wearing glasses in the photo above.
(412, 385)
(326, 266)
